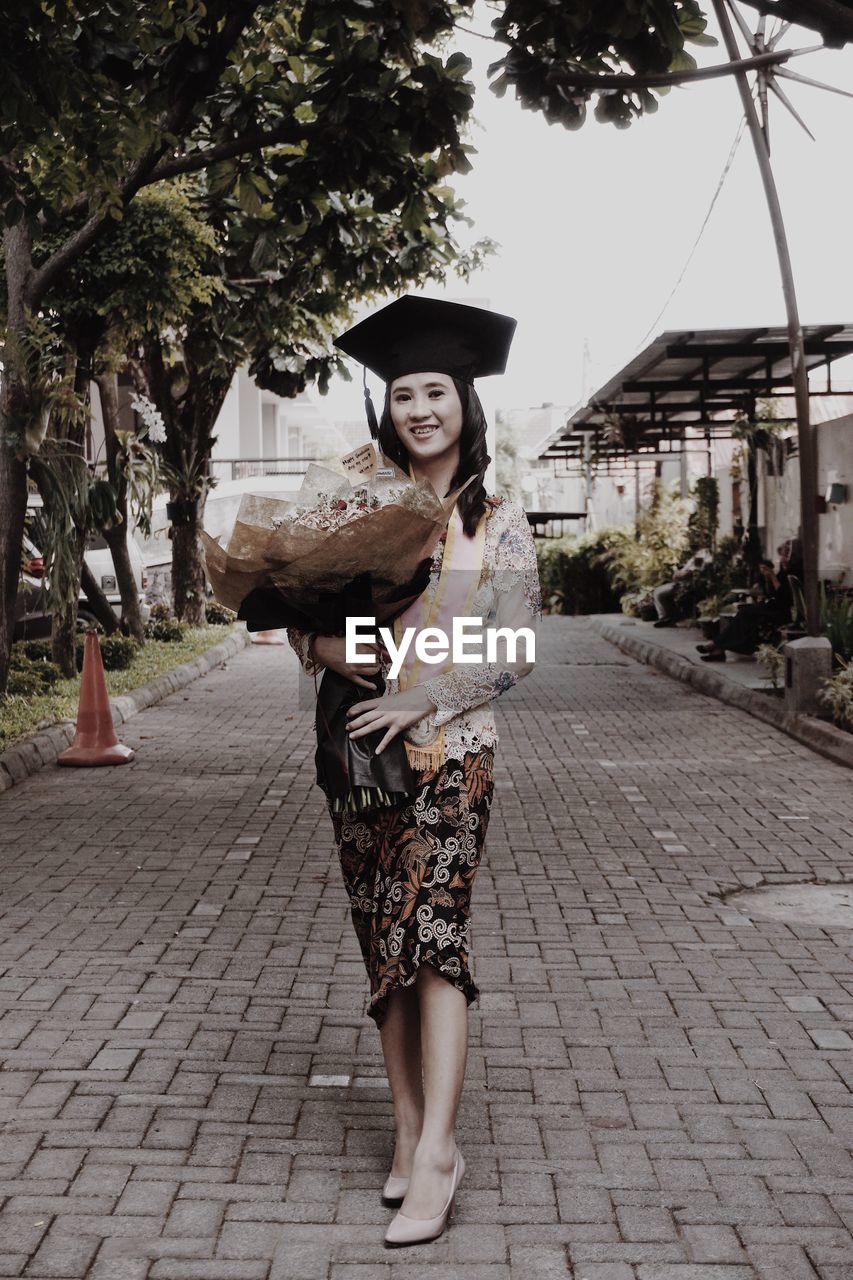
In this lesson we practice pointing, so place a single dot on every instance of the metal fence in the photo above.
(245, 468)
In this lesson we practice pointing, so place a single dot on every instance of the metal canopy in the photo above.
(688, 379)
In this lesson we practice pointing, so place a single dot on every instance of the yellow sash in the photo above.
(457, 585)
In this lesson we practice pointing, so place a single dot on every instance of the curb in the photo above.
(824, 738)
(32, 753)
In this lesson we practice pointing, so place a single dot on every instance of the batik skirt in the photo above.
(409, 871)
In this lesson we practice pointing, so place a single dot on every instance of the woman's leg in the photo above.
(738, 631)
(444, 1049)
(662, 597)
(743, 634)
(401, 1047)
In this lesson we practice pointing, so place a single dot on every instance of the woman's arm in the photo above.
(519, 606)
(469, 685)
(302, 644)
(317, 652)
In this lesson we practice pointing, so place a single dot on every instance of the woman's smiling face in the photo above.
(427, 415)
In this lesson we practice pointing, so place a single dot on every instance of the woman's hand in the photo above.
(331, 652)
(395, 712)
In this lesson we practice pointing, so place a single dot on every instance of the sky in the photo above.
(595, 226)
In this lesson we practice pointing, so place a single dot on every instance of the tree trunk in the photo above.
(13, 509)
(190, 415)
(806, 432)
(13, 470)
(131, 614)
(64, 624)
(752, 549)
(116, 538)
(188, 582)
(97, 601)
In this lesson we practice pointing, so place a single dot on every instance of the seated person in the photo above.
(663, 595)
(751, 624)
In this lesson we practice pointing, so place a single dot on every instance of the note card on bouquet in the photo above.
(361, 462)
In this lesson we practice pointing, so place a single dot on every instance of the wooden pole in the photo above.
(805, 431)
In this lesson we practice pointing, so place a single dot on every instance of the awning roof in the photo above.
(692, 378)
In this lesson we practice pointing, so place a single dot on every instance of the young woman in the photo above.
(409, 869)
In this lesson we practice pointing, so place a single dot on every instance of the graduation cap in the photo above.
(427, 335)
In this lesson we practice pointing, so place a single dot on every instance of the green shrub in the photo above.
(836, 617)
(36, 650)
(772, 658)
(217, 614)
(161, 613)
(23, 682)
(704, 522)
(32, 672)
(167, 629)
(650, 553)
(705, 591)
(573, 577)
(117, 652)
(837, 696)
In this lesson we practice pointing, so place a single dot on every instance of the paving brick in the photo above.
(194, 1218)
(545, 1262)
(62, 1254)
(207, 1269)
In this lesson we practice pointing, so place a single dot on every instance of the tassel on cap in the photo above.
(370, 410)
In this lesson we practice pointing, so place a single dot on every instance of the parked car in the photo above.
(30, 620)
(99, 560)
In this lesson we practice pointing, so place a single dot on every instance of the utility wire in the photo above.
(727, 166)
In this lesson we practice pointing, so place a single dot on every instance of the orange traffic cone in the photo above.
(95, 741)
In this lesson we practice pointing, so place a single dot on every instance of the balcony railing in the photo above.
(245, 468)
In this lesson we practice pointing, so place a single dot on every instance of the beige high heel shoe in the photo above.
(394, 1191)
(408, 1231)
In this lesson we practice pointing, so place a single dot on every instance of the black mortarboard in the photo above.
(426, 335)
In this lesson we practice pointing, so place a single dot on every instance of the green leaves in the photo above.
(143, 276)
(556, 49)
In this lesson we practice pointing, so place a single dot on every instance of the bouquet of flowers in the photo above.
(333, 551)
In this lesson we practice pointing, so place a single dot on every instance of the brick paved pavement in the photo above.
(658, 1086)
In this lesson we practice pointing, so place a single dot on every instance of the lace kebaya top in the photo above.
(509, 596)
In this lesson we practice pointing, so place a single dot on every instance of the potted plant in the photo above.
(708, 611)
(772, 658)
(182, 510)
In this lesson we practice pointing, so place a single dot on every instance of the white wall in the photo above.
(835, 463)
(249, 411)
(779, 500)
(227, 429)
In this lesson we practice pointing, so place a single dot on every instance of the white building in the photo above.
(260, 433)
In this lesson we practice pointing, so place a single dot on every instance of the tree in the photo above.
(507, 462)
(100, 102)
(140, 280)
(304, 233)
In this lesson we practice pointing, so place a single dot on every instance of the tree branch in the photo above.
(192, 161)
(191, 89)
(628, 82)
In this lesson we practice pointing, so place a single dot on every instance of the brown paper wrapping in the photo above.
(298, 545)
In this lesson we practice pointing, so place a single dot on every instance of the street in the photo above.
(658, 1083)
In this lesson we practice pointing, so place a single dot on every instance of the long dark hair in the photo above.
(473, 458)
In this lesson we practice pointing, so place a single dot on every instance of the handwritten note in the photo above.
(361, 462)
